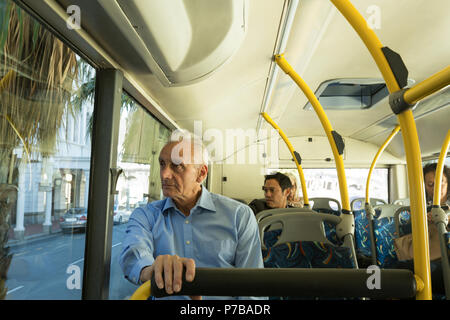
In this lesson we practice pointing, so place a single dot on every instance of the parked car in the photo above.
(73, 220)
(122, 216)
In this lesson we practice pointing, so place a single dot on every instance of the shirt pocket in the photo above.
(219, 253)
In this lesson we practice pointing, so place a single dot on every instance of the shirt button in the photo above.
(188, 242)
(186, 221)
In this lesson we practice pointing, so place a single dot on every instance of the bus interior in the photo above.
(92, 90)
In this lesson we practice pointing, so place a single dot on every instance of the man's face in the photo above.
(275, 197)
(180, 178)
(429, 186)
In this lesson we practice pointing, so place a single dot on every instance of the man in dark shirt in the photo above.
(276, 191)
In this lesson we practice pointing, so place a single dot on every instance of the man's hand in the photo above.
(168, 273)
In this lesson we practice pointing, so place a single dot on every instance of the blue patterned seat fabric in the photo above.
(303, 254)
(362, 237)
(404, 223)
(330, 229)
(385, 233)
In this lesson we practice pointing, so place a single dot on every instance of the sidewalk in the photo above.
(33, 232)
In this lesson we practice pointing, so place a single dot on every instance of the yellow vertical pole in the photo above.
(411, 144)
(286, 67)
(439, 170)
(375, 159)
(291, 149)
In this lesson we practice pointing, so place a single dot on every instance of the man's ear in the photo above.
(286, 192)
(202, 173)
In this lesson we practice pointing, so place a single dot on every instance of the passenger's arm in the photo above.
(137, 252)
(137, 257)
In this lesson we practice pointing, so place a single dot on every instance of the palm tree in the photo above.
(37, 76)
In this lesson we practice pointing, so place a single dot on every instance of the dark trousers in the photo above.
(437, 278)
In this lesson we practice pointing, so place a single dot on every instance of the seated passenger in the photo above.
(190, 228)
(294, 199)
(277, 188)
(429, 172)
(403, 245)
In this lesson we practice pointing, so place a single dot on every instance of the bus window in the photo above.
(45, 154)
(324, 182)
(141, 138)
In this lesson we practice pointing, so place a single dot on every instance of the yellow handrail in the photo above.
(411, 145)
(439, 169)
(143, 292)
(291, 149)
(286, 67)
(374, 162)
(428, 86)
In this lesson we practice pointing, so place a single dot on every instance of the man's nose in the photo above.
(165, 172)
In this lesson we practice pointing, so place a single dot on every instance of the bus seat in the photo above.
(402, 202)
(330, 229)
(302, 230)
(326, 205)
(385, 233)
(301, 242)
(384, 226)
(403, 221)
(386, 210)
(329, 206)
(304, 254)
(358, 203)
(362, 236)
(387, 228)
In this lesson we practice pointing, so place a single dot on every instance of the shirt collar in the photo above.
(205, 202)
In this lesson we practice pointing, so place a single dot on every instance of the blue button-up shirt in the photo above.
(219, 232)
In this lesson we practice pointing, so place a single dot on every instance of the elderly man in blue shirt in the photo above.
(190, 228)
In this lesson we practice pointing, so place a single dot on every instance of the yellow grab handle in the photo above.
(143, 292)
(281, 61)
(374, 162)
(428, 86)
(411, 144)
(291, 149)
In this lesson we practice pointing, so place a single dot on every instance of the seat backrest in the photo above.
(385, 233)
(297, 225)
(358, 203)
(403, 202)
(402, 219)
(301, 242)
(270, 212)
(386, 210)
(362, 233)
(325, 203)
